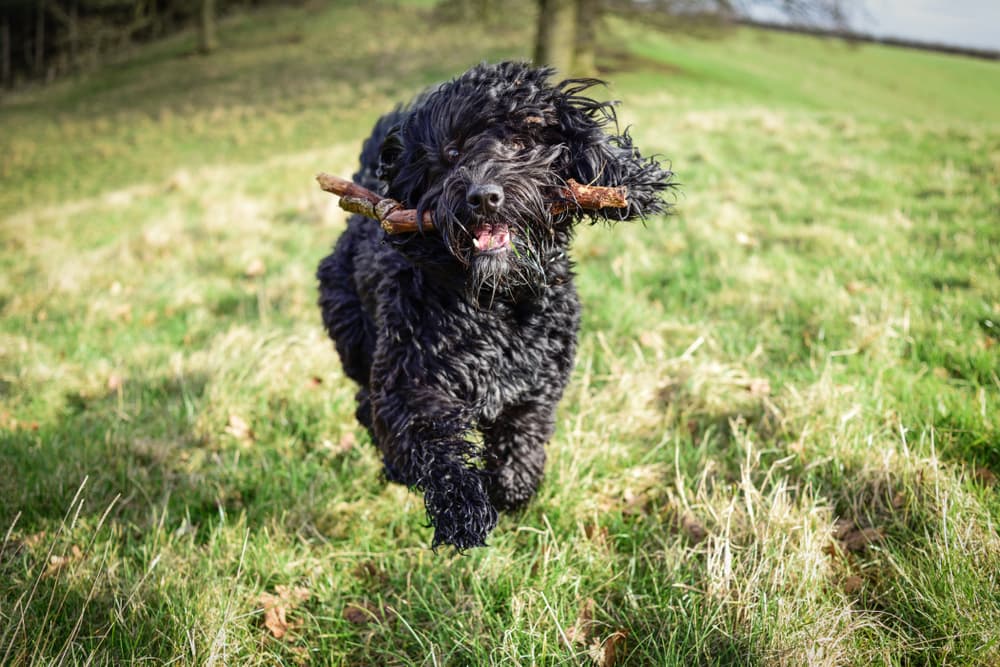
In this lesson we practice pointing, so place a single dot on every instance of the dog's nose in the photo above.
(485, 197)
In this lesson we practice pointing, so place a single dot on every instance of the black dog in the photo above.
(472, 326)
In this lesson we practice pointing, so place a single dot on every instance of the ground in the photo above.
(780, 444)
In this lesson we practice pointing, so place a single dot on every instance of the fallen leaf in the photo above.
(239, 429)
(694, 530)
(858, 540)
(610, 651)
(276, 620)
(596, 533)
(342, 446)
(277, 605)
(115, 382)
(580, 631)
(255, 269)
(362, 613)
(853, 584)
(56, 563)
(855, 286)
(366, 570)
(759, 387)
(346, 442)
(648, 339)
(898, 500)
(986, 476)
(34, 539)
(300, 655)
(636, 503)
(123, 312)
(295, 595)
(842, 527)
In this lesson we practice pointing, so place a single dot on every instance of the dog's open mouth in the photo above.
(491, 238)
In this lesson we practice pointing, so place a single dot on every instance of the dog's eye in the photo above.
(451, 154)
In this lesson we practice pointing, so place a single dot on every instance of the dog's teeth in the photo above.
(475, 243)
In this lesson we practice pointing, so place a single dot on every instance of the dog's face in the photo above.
(488, 152)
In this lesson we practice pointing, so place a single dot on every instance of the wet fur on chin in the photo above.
(446, 340)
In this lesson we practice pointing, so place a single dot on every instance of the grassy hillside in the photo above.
(780, 444)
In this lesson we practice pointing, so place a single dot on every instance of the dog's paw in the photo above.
(459, 508)
(511, 488)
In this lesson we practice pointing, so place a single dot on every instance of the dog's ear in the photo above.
(599, 154)
(388, 155)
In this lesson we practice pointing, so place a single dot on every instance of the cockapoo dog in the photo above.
(471, 326)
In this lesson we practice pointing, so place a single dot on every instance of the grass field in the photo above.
(781, 443)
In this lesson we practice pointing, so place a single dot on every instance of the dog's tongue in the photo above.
(490, 237)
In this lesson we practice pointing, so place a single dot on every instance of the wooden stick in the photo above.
(398, 220)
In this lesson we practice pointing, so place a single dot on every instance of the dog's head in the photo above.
(488, 152)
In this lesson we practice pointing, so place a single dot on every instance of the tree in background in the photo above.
(567, 29)
(206, 27)
(44, 39)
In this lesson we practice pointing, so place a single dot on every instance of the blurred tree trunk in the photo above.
(556, 36)
(588, 19)
(39, 61)
(5, 73)
(206, 27)
(74, 34)
(69, 20)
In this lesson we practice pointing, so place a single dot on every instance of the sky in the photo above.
(969, 23)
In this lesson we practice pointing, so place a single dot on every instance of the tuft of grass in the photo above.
(780, 444)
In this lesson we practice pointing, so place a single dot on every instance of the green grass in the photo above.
(808, 349)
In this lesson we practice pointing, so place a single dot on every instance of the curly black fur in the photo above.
(473, 327)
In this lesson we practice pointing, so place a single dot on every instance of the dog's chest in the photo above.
(494, 358)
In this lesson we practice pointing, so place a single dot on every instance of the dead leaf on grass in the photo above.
(115, 382)
(986, 476)
(856, 286)
(853, 584)
(255, 269)
(648, 339)
(57, 563)
(345, 444)
(362, 613)
(693, 528)
(596, 533)
(852, 538)
(580, 631)
(898, 500)
(842, 527)
(34, 539)
(239, 429)
(611, 651)
(860, 539)
(277, 605)
(759, 387)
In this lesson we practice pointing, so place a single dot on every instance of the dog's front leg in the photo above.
(421, 433)
(515, 453)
